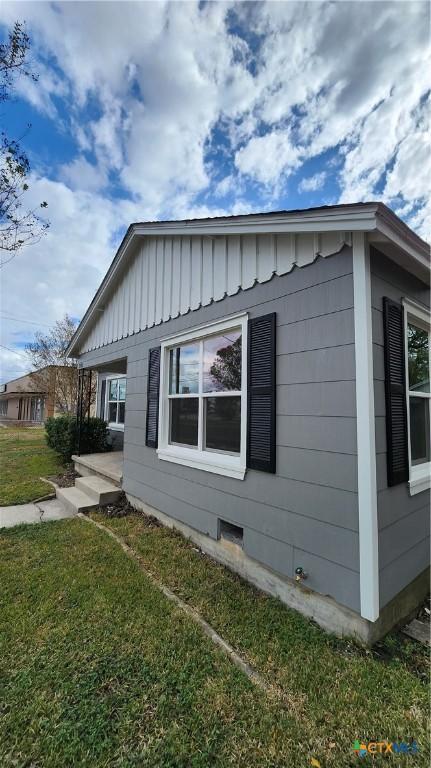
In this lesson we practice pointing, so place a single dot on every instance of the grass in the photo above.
(99, 669)
(24, 457)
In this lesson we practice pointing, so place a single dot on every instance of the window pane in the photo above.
(121, 389)
(184, 421)
(184, 370)
(113, 389)
(223, 423)
(419, 430)
(121, 411)
(418, 344)
(222, 362)
(112, 412)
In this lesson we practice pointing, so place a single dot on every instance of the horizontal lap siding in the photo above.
(404, 526)
(305, 515)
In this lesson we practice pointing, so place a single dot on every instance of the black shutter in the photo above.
(153, 397)
(261, 394)
(395, 391)
(102, 413)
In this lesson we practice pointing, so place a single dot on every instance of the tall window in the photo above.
(203, 398)
(115, 402)
(3, 407)
(418, 394)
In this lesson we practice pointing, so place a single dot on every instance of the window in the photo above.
(3, 407)
(202, 413)
(115, 402)
(417, 330)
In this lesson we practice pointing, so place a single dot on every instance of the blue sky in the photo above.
(147, 110)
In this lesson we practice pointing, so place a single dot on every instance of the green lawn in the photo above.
(97, 668)
(24, 457)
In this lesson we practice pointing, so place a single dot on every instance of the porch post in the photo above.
(79, 407)
(365, 427)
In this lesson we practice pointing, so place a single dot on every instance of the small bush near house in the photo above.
(62, 435)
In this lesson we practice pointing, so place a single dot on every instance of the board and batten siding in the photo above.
(404, 520)
(307, 513)
(166, 277)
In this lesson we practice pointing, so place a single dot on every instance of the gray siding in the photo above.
(404, 520)
(307, 513)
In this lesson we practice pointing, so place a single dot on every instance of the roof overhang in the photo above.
(387, 232)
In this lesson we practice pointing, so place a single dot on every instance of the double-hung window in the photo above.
(417, 342)
(203, 403)
(115, 401)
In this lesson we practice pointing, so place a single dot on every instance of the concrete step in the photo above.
(108, 465)
(75, 500)
(98, 489)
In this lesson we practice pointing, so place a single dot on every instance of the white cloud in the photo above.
(80, 174)
(267, 158)
(312, 183)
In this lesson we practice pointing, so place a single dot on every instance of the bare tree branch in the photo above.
(18, 227)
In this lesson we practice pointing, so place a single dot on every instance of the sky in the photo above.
(156, 110)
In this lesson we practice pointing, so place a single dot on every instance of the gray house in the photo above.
(266, 382)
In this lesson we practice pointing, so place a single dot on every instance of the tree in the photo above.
(226, 368)
(60, 373)
(18, 226)
(418, 358)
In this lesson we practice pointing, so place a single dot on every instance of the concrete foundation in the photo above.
(324, 610)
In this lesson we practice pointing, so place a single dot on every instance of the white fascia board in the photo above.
(329, 221)
(365, 428)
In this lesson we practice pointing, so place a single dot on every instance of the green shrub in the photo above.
(62, 435)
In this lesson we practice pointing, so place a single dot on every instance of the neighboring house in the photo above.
(269, 375)
(31, 398)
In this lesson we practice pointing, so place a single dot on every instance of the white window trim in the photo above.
(209, 461)
(113, 425)
(419, 474)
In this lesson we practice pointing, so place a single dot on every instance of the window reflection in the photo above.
(418, 359)
(122, 389)
(419, 430)
(222, 362)
(113, 389)
(184, 370)
(223, 424)
(184, 421)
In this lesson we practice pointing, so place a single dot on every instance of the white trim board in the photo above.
(365, 426)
